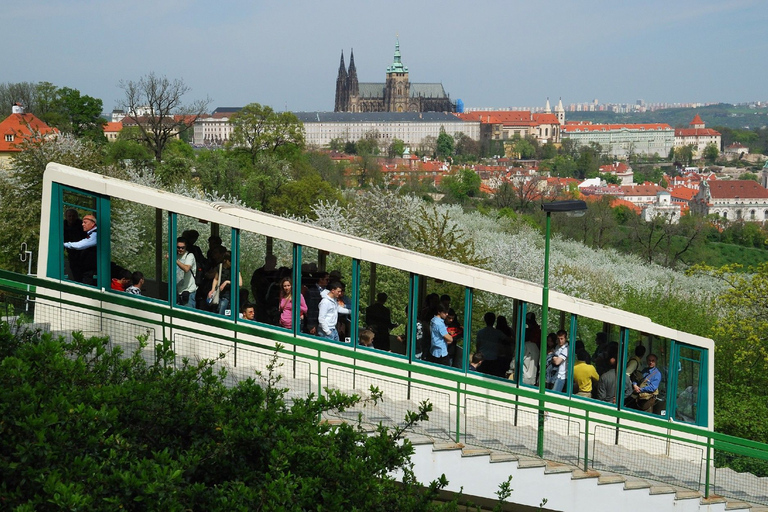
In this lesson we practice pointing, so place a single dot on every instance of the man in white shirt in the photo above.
(88, 246)
(185, 275)
(329, 312)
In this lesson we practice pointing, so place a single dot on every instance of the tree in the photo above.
(749, 176)
(257, 128)
(21, 92)
(711, 153)
(467, 148)
(81, 113)
(560, 166)
(436, 234)
(172, 436)
(264, 179)
(219, 173)
(297, 197)
(156, 105)
(445, 143)
(462, 186)
(684, 154)
(396, 149)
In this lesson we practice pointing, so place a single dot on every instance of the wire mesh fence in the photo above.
(399, 397)
(646, 456)
(513, 428)
(741, 477)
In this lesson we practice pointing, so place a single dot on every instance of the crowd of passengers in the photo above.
(204, 282)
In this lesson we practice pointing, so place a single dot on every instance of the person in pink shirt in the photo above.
(286, 304)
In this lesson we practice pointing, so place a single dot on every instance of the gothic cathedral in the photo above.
(397, 94)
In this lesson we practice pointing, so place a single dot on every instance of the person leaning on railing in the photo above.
(87, 246)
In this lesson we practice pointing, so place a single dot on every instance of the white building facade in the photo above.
(320, 128)
(621, 140)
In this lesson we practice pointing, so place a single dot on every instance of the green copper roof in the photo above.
(397, 66)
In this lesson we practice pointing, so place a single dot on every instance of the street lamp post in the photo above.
(571, 207)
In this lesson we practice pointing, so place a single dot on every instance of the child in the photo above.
(366, 337)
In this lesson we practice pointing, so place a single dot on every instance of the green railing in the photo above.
(477, 411)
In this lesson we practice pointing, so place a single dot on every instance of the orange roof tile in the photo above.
(729, 189)
(113, 127)
(21, 127)
(578, 127)
(696, 120)
(646, 189)
(696, 132)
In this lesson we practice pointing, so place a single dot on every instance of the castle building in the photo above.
(397, 94)
(697, 135)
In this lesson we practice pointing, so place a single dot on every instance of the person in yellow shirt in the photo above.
(584, 374)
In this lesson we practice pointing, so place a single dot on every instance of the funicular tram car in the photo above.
(138, 228)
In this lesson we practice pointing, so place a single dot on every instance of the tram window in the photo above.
(138, 237)
(383, 301)
(654, 400)
(688, 384)
(79, 265)
(434, 292)
(493, 334)
(209, 244)
(559, 376)
(319, 270)
(264, 263)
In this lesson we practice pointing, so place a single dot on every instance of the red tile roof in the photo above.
(21, 127)
(646, 189)
(696, 132)
(617, 167)
(510, 117)
(113, 127)
(682, 192)
(696, 120)
(579, 127)
(730, 189)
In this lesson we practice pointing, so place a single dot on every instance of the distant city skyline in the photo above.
(492, 54)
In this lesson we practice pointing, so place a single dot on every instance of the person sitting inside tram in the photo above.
(646, 391)
(122, 281)
(137, 283)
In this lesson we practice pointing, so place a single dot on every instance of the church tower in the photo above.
(342, 90)
(397, 88)
(560, 112)
(353, 88)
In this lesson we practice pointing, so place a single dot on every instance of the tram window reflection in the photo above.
(139, 234)
(493, 335)
(321, 274)
(688, 384)
(383, 302)
(264, 263)
(446, 300)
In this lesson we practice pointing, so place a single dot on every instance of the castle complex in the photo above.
(397, 94)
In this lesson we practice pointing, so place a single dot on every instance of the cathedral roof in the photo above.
(376, 90)
(372, 117)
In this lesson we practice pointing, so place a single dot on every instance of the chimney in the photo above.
(17, 109)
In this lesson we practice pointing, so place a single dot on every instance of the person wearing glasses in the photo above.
(87, 248)
(185, 275)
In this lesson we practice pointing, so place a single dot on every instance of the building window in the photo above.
(9, 138)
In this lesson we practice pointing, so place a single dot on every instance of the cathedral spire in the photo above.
(342, 67)
(397, 65)
(342, 91)
(547, 109)
(352, 75)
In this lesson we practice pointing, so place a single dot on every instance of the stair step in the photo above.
(611, 479)
(662, 489)
(578, 474)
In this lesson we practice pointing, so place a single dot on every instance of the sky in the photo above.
(488, 53)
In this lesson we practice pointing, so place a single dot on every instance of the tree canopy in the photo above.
(156, 106)
(88, 427)
(257, 128)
